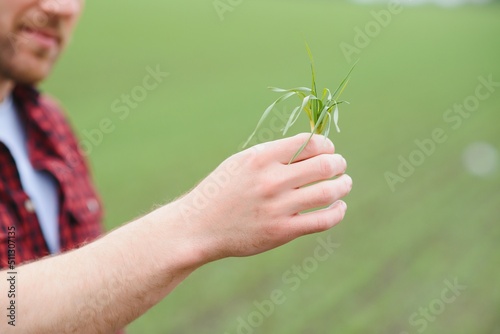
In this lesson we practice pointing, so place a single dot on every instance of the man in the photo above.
(48, 204)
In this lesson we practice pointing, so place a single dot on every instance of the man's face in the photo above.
(33, 34)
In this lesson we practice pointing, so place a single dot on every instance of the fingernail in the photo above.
(329, 142)
(348, 180)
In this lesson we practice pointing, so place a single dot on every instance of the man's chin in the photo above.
(30, 79)
(32, 73)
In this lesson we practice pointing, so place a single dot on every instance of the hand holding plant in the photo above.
(263, 202)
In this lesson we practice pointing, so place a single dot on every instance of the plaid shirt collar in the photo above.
(51, 147)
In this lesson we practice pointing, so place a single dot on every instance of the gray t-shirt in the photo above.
(38, 185)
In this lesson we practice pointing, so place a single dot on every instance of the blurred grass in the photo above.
(396, 248)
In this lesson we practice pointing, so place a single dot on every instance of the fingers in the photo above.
(319, 168)
(284, 149)
(319, 195)
(318, 221)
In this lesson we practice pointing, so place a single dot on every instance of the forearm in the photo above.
(254, 201)
(105, 285)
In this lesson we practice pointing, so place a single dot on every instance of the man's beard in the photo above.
(25, 67)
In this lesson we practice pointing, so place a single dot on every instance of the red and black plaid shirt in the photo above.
(52, 147)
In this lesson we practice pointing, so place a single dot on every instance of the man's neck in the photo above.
(6, 87)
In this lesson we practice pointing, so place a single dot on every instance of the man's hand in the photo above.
(254, 200)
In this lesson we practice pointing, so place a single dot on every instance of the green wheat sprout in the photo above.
(320, 111)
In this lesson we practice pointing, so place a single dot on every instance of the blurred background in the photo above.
(418, 251)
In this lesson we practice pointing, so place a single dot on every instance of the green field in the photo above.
(398, 250)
